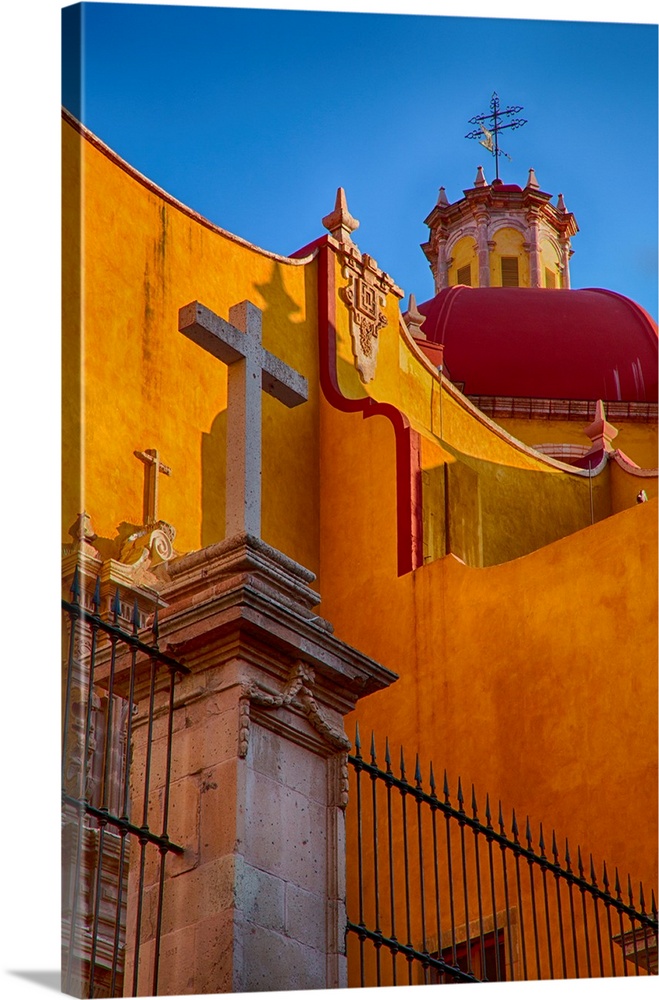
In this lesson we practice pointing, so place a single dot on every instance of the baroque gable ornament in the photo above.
(366, 292)
(365, 297)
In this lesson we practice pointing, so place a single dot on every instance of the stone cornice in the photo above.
(242, 595)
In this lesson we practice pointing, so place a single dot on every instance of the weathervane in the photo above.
(489, 137)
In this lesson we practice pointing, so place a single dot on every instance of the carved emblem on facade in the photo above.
(365, 296)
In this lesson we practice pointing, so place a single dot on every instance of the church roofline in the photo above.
(151, 186)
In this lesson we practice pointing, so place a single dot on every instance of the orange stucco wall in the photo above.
(146, 386)
(533, 677)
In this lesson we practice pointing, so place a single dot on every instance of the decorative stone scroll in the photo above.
(298, 693)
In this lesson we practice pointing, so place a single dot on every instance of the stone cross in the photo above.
(153, 466)
(251, 369)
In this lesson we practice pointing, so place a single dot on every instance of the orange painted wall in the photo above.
(146, 386)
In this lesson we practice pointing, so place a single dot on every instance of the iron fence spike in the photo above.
(653, 905)
(605, 877)
(96, 599)
(541, 842)
(74, 589)
(358, 742)
(474, 804)
(116, 605)
(554, 848)
(488, 814)
(515, 828)
(528, 832)
(417, 772)
(629, 891)
(372, 747)
(447, 792)
(568, 860)
(387, 754)
(641, 898)
(432, 780)
(593, 876)
(579, 860)
(460, 795)
(617, 886)
(501, 826)
(402, 764)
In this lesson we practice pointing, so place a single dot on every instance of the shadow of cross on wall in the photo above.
(252, 370)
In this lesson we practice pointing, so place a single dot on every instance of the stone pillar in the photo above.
(483, 250)
(441, 275)
(532, 247)
(565, 263)
(258, 778)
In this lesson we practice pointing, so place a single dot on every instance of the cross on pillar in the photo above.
(153, 466)
(251, 369)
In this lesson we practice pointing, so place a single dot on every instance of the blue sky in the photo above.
(254, 117)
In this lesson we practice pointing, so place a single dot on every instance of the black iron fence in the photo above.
(108, 759)
(443, 896)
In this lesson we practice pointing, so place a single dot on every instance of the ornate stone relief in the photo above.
(148, 547)
(366, 298)
(366, 292)
(297, 693)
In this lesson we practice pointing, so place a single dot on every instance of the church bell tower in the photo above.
(500, 235)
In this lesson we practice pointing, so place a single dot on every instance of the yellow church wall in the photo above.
(509, 242)
(464, 252)
(625, 487)
(549, 261)
(638, 440)
(147, 386)
(518, 501)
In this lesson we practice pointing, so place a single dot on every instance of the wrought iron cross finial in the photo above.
(490, 125)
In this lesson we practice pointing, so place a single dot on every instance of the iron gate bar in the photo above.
(88, 620)
(360, 764)
(575, 943)
(474, 809)
(77, 611)
(411, 953)
(389, 773)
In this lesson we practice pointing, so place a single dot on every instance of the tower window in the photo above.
(550, 278)
(464, 275)
(509, 272)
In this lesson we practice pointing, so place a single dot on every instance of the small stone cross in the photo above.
(153, 466)
(251, 370)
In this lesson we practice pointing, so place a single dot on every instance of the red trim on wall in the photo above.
(408, 441)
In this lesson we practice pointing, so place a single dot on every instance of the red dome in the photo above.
(545, 343)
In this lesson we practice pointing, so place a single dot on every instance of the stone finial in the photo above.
(601, 432)
(480, 178)
(560, 204)
(340, 222)
(83, 535)
(532, 182)
(442, 200)
(414, 318)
